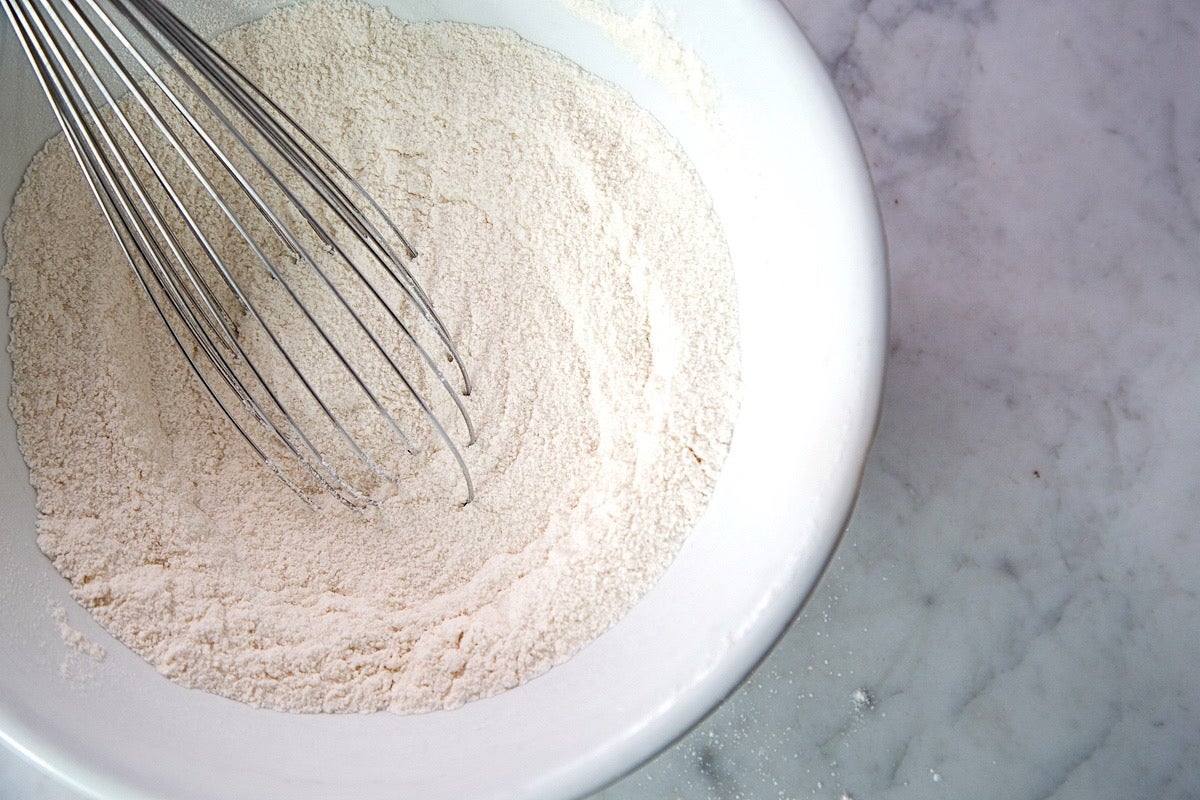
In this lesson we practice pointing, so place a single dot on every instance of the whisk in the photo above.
(282, 281)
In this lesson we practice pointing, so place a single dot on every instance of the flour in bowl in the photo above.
(572, 252)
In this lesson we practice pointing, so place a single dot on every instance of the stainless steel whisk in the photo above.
(265, 259)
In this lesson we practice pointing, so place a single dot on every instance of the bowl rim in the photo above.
(657, 728)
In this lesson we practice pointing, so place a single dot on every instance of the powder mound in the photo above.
(575, 258)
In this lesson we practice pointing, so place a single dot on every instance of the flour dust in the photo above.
(574, 255)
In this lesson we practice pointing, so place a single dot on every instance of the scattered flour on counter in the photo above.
(575, 258)
(862, 699)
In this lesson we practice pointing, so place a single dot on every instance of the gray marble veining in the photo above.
(1014, 610)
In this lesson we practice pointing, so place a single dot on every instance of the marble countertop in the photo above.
(1014, 610)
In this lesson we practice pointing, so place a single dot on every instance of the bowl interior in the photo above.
(789, 184)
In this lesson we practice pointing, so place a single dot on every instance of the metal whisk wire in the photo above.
(276, 169)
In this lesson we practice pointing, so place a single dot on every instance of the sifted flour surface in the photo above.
(572, 252)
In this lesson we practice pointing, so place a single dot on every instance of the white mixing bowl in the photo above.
(797, 206)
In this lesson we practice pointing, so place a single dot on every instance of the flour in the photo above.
(74, 639)
(574, 256)
(645, 37)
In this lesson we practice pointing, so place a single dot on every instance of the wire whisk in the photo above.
(281, 279)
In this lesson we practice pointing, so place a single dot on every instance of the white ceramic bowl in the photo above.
(794, 197)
